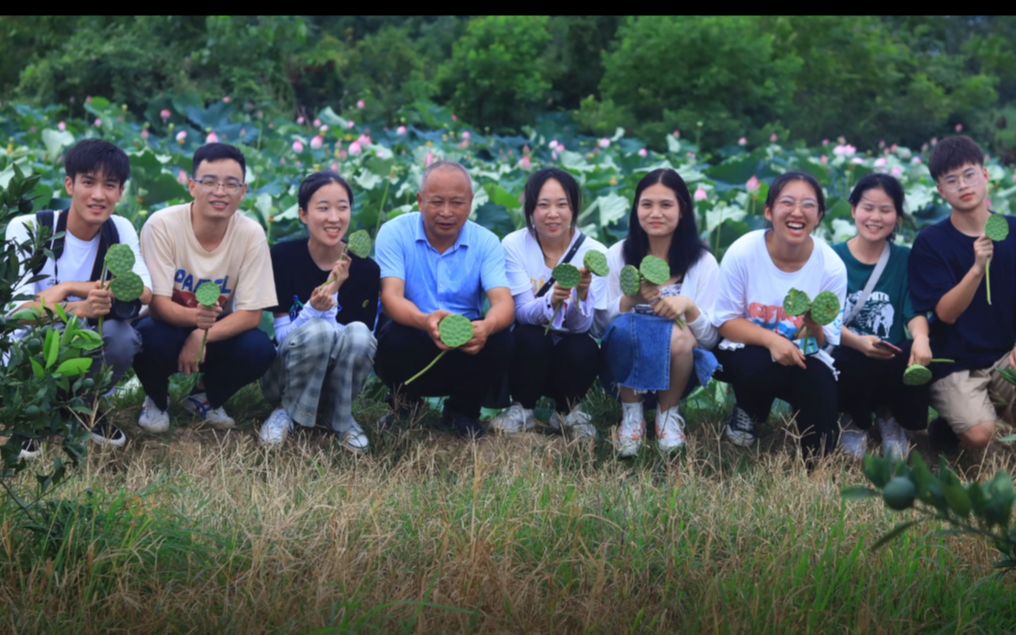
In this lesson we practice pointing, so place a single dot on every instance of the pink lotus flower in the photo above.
(323, 128)
(355, 149)
(227, 99)
(959, 127)
(844, 150)
(317, 123)
(774, 137)
(604, 143)
(365, 140)
(98, 122)
(361, 104)
(182, 177)
(825, 142)
(334, 167)
(430, 159)
(677, 133)
(553, 144)
(880, 162)
(934, 141)
(691, 156)
(455, 117)
(881, 143)
(181, 137)
(743, 141)
(701, 194)
(401, 131)
(643, 152)
(298, 146)
(212, 137)
(301, 120)
(466, 135)
(61, 126)
(317, 142)
(350, 124)
(897, 171)
(915, 161)
(525, 162)
(145, 134)
(166, 113)
(752, 184)
(824, 160)
(88, 99)
(857, 161)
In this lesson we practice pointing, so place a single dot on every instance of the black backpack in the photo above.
(108, 235)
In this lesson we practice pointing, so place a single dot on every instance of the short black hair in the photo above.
(952, 153)
(786, 179)
(685, 246)
(97, 155)
(315, 182)
(536, 183)
(217, 152)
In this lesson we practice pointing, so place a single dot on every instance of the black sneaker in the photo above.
(942, 438)
(30, 450)
(463, 426)
(106, 434)
(740, 430)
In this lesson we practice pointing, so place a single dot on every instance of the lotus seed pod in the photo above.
(997, 227)
(567, 275)
(456, 330)
(120, 259)
(825, 307)
(208, 294)
(360, 243)
(596, 261)
(899, 493)
(796, 303)
(916, 375)
(655, 270)
(127, 287)
(630, 279)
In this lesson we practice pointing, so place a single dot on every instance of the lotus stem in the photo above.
(425, 368)
(987, 278)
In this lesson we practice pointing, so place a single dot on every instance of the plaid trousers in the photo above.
(319, 371)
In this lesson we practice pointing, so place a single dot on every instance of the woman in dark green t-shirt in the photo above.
(874, 349)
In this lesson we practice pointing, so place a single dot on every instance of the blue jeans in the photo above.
(637, 355)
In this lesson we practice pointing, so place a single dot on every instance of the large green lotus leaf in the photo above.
(567, 275)
(997, 227)
(630, 279)
(916, 375)
(208, 294)
(127, 287)
(360, 243)
(825, 307)
(120, 259)
(796, 303)
(596, 261)
(655, 270)
(456, 330)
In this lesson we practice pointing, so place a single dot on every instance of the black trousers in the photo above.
(562, 367)
(403, 351)
(866, 385)
(757, 380)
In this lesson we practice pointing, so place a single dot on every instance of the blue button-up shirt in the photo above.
(457, 280)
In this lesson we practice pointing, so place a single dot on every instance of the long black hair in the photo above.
(536, 183)
(685, 246)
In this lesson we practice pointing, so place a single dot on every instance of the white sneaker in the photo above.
(197, 404)
(577, 424)
(276, 427)
(31, 449)
(629, 434)
(895, 443)
(853, 440)
(514, 420)
(740, 430)
(152, 418)
(354, 439)
(669, 430)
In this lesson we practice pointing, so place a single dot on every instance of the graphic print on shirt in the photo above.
(876, 317)
(774, 318)
(185, 285)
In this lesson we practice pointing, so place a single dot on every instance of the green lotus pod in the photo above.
(916, 375)
(997, 227)
(655, 270)
(596, 261)
(208, 294)
(456, 330)
(567, 275)
(120, 259)
(899, 493)
(825, 307)
(127, 287)
(630, 280)
(360, 244)
(796, 303)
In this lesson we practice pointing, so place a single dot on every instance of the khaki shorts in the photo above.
(968, 398)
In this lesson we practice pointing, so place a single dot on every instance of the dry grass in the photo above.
(203, 531)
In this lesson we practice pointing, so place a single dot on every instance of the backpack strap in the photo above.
(108, 235)
(567, 258)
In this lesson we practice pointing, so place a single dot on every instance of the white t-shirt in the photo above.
(699, 284)
(527, 272)
(752, 287)
(241, 264)
(77, 260)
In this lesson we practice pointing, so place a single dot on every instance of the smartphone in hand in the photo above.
(889, 346)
